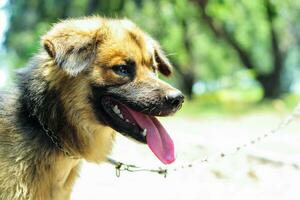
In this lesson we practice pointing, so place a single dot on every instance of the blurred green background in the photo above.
(228, 55)
(237, 61)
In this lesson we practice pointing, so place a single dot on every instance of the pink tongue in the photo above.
(157, 137)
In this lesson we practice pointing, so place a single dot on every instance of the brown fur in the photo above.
(54, 92)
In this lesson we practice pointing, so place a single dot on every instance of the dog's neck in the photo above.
(60, 104)
(41, 105)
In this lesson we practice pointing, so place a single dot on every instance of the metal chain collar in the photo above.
(55, 140)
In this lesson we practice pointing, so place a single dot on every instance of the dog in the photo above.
(91, 78)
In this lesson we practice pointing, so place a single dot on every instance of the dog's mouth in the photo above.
(139, 126)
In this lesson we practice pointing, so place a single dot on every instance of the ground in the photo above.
(267, 170)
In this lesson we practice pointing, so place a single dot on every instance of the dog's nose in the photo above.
(175, 99)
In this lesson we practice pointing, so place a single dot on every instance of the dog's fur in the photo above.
(54, 93)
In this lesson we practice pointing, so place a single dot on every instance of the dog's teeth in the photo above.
(144, 133)
(120, 115)
(126, 120)
(116, 109)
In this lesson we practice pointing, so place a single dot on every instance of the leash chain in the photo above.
(119, 166)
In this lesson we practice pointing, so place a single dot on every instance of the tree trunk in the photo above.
(188, 74)
(188, 80)
(92, 6)
(271, 82)
(65, 5)
(271, 85)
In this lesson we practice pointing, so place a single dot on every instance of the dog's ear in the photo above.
(73, 52)
(163, 63)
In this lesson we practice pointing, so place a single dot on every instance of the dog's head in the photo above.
(121, 64)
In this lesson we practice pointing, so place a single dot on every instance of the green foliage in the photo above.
(177, 24)
(247, 21)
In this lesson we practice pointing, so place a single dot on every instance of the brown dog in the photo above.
(93, 77)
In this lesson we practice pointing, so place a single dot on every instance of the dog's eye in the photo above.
(122, 70)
